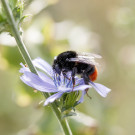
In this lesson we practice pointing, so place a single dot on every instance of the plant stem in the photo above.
(28, 60)
(63, 122)
(17, 36)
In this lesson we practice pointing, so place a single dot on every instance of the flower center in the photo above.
(62, 83)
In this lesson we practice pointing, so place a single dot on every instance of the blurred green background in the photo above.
(104, 27)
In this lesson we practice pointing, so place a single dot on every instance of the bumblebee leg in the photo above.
(85, 78)
(65, 75)
(74, 70)
(86, 81)
(88, 94)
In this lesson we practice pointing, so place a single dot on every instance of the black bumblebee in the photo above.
(78, 63)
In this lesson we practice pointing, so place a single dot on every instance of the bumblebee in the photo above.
(77, 63)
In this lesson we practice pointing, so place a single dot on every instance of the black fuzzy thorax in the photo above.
(65, 65)
(62, 60)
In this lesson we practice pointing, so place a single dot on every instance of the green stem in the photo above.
(28, 60)
(17, 36)
(63, 122)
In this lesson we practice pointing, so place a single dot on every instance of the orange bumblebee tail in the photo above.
(93, 76)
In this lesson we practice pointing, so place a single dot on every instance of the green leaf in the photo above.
(17, 7)
(76, 103)
(24, 17)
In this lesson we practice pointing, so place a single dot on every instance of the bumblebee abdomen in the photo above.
(93, 76)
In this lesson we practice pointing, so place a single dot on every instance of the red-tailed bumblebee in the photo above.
(78, 63)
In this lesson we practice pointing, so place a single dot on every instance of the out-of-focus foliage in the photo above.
(104, 27)
(17, 7)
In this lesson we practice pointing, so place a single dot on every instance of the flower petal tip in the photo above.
(101, 89)
(53, 98)
(45, 104)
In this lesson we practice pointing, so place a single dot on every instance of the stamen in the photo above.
(55, 82)
(69, 83)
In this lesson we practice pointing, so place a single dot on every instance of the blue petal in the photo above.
(101, 89)
(43, 76)
(79, 81)
(53, 98)
(43, 65)
(24, 68)
(68, 74)
(81, 87)
(82, 97)
(76, 88)
(37, 83)
(64, 89)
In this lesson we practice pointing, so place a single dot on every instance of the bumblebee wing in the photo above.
(83, 60)
(88, 58)
(89, 55)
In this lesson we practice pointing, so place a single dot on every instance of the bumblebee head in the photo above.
(56, 66)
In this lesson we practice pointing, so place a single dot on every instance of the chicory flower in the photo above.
(56, 84)
(50, 82)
